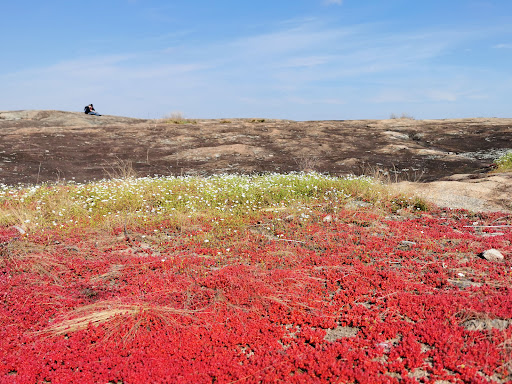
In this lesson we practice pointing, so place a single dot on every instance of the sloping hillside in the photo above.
(48, 146)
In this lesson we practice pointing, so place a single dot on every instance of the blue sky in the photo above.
(290, 59)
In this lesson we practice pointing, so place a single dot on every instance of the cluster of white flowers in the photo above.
(147, 197)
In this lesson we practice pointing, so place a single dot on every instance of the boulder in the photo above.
(493, 255)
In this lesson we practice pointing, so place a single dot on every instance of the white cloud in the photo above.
(337, 2)
(277, 73)
(502, 46)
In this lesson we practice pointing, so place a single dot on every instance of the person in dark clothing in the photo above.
(89, 110)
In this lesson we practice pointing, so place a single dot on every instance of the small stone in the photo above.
(493, 255)
(327, 219)
(406, 245)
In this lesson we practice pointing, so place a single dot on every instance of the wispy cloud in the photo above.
(275, 73)
(330, 2)
(502, 46)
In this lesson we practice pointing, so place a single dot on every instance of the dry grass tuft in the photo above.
(17, 214)
(120, 169)
(307, 163)
(108, 311)
(404, 116)
(177, 118)
(45, 266)
(95, 317)
(113, 273)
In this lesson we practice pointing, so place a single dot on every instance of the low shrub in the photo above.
(282, 296)
(504, 163)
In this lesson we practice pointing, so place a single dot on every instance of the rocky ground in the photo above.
(447, 161)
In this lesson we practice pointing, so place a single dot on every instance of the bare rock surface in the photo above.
(446, 160)
(474, 192)
(340, 332)
(486, 324)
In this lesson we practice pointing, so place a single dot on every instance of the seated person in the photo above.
(89, 110)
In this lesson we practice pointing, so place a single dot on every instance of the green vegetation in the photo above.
(504, 163)
(155, 199)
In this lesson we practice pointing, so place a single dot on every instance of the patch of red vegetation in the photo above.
(258, 308)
